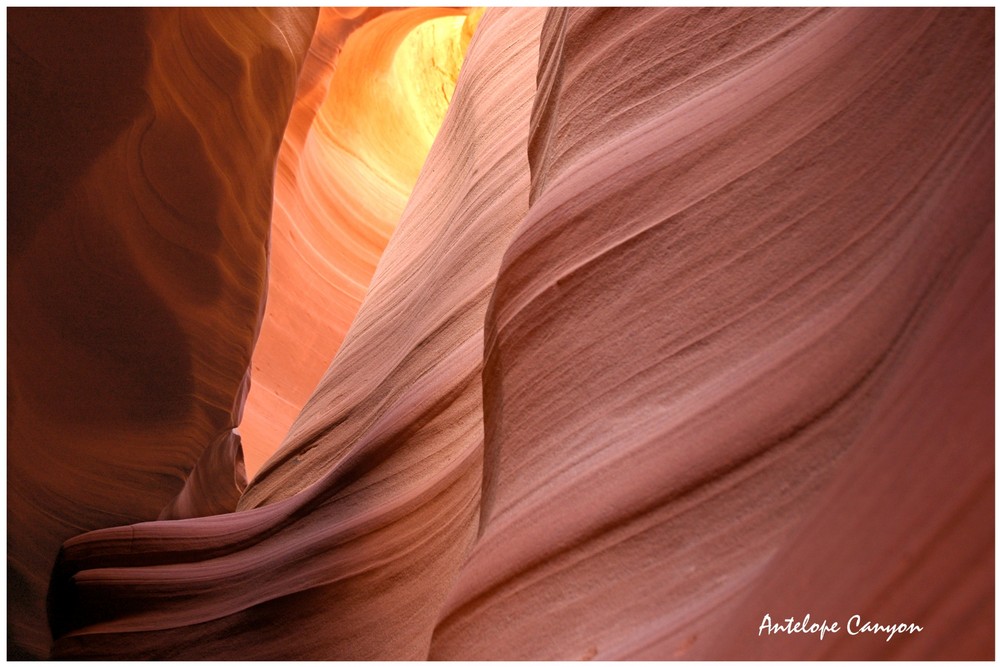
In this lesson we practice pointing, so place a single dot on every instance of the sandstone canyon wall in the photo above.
(758, 257)
(688, 319)
(142, 146)
(354, 531)
(371, 97)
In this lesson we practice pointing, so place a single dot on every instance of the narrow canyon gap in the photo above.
(371, 97)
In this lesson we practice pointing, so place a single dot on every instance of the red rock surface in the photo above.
(738, 358)
(353, 533)
(688, 319)
(142, 146)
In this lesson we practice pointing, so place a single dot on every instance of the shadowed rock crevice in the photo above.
(138, 221)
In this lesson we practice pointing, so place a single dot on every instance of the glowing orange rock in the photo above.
(355, 145)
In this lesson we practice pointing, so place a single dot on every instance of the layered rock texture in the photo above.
(371, 97)
(687, 319)
(709, 391)
(142, 146)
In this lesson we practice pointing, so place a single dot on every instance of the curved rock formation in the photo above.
(729, 334)
(354, 531)
(216, 483)
(275, 395)
(372, 95)
(687, 321)
(142, 149)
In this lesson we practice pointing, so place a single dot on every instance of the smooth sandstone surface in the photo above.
(373, 92)
(688, 319)
(216, 483)
(351, 536)
(142, 146)
(740, 346)
(276, 395)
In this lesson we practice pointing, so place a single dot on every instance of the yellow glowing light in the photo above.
(342, 186)
(392, 88)
(426, 69)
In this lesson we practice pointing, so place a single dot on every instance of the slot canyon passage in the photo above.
(525, 333)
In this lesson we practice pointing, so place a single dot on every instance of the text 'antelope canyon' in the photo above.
(500, 333)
